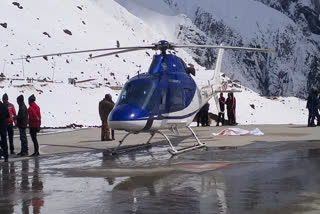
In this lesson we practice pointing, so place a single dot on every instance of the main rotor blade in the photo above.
(86, 51)
(224, 47)
(118, 52)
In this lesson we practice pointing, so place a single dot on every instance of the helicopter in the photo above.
(165, 97)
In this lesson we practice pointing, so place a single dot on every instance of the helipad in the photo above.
(200, 166)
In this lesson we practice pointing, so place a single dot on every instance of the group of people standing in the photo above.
(313, 105)
(230, 102)
(231, 109)
(26, 117)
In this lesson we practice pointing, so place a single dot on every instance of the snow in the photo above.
(100, 24)
(271, 110)
(243, 15)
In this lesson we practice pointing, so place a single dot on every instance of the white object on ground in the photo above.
(238, 131)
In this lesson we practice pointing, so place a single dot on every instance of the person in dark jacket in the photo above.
(222, 102)
(229, 108)
(312, 106)
(316, 111)
(199, 116)
(109, 98)
(34, 123)
(4, 116)
(105, 107)
(22, 123)
(11, 121)
(233, 107)
(205, 115)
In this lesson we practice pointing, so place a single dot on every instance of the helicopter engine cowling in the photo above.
(128, 117)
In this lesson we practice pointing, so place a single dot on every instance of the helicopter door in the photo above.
(176, 98)
(188, 96)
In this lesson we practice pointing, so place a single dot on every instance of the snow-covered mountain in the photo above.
(289, 27)
(43, 26)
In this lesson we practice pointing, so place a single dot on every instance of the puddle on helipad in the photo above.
(277, 179)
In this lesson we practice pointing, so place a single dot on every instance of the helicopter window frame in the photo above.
(188, 95)
(143, 94)
(163, 99)
(176, 97)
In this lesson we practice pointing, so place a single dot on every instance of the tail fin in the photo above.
(216, 78)
(216, 84)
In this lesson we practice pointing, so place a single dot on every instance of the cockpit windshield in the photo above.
(140, 93)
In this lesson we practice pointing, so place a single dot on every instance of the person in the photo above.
(199, 116)
(109, 98)
(34, 123)
(205, 115)
(229, 108)
(233, 107)
(222, 102)
(11, 120)
(317, 115)
(191, 70)
(4, 116)
(312, 106)
(105, 107)
(22, 123)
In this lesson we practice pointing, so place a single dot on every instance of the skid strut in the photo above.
(174, 151)
(125, 149)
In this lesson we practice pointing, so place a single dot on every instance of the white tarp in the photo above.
(238, 131)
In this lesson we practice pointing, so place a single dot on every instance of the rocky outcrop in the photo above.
(291, 71)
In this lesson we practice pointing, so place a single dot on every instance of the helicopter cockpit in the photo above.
(138, 100)
(141, 93)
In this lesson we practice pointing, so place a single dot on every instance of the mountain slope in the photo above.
(292, 71)
(42, 26)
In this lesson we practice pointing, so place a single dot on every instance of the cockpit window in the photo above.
(139, 93)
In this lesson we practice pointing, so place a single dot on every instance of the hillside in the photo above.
(289, 27)
(43, 26)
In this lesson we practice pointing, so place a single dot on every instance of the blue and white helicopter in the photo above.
(166, 97)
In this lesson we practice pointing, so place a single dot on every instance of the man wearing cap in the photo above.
(11, 120)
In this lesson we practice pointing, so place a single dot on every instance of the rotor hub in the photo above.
(163, 46)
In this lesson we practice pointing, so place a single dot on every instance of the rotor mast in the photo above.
(163, 46)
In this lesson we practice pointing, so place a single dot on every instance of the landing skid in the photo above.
(125, 149)
(174, 151)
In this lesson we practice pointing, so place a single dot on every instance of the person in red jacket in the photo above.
(11, 120)
(34, 123)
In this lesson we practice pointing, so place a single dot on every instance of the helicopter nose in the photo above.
(128, 117)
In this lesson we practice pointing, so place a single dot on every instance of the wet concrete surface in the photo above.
(278, 177)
